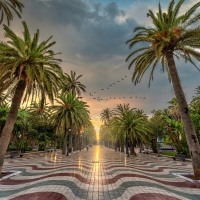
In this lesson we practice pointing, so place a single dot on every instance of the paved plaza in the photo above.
(97, 174)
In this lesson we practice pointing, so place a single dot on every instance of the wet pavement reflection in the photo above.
(97, 174)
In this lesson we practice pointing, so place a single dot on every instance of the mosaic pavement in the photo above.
(97, 174)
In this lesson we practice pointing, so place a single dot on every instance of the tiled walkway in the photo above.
(97, 174)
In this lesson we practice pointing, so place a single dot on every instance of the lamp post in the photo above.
(127, 152)
(68, 141)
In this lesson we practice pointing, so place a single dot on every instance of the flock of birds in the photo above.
(98, 98)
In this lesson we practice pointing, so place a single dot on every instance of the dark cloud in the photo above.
(91, 32)
(113, 11)
(92, 41)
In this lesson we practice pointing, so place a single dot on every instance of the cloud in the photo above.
(91, 35)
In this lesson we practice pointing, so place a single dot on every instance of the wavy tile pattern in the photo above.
(97, 174)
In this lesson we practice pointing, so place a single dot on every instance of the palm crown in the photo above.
(72, 84)
(27, 59)
(106, 115)
(5, 6)
(70, 111)
(171, 33)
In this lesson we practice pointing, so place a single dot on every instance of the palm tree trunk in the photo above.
(122, 147)
(12, 115)
(141, 146)
(64, 143)
(116, 146)
(70, 140)
(189, 129)
(79, 140)
(64, 140)
(132, 152)
(55, 144)
(75, 142)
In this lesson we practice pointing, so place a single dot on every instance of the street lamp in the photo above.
(68, 141)
(127, 152)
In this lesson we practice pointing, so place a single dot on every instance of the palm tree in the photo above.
(195, 103)
(5, 6)
(174, 107)
(68, 112)
(172, 35)
(106, 115)
(131, 124)
(39, 110)
(72, 84)
(33, 71)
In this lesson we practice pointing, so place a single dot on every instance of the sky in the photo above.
(92, 35)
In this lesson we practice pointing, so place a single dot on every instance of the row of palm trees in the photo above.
(38, 125)
(68, 112)
(124, 124)
(122, 121)
(30, 70)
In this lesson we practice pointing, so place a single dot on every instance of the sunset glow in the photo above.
(97, 125)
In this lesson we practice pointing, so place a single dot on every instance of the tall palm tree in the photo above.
(106, 115)
(5, 6)
(172, 35)
(33, 70)
(72, 84)
(69, 111)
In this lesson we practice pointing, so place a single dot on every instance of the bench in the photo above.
(15, 153)
(179, 156)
